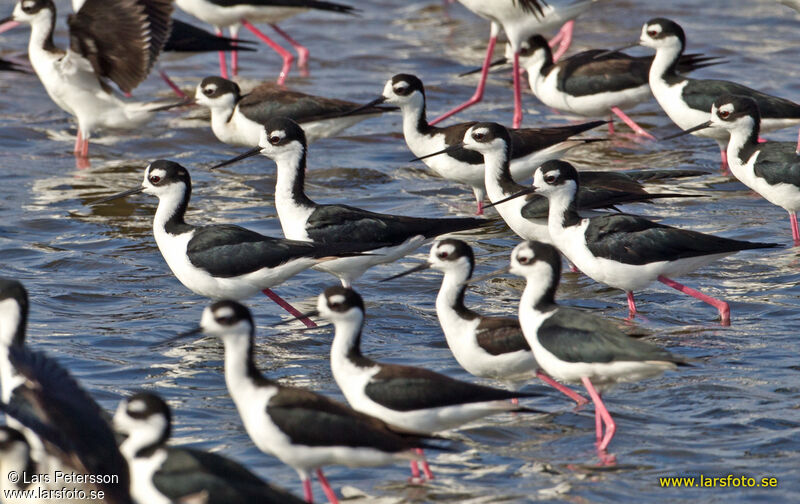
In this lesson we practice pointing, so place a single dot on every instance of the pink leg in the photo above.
(723, 154)
(171, 84)
(302, 51)
(515, 401)
(329, 493)
(478, 96)
(288, 59)
(721, 306)
(598, 425)
(561, 388)
(517, 121)
(78, 143)
(631, 305)
(234, 57)
(563, 38)
(223, 63)
(611, 427)
(425, 468)
(630, 122)
(762, 140)
(798, 142)
(415, 478)
(85, 148)
(795, 230)
(610, 125)
(308, 494)
(289, 308)
(480, 207)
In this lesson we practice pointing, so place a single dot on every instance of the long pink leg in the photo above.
(289, 308)
(598, 425)
(631, 305)
(610, 125)
(561, 388)
(415, 478)
(478, 96)
(798, 142)
(308, 494)
(723, 154)
(85, 148)
(288, 59)
(78, 143)
(721, 306)
(302, 51)
(630, 122)
(517, 121)
(171, 84)
(563, 38)
(223, 63)
(611, 427)
(480, 207)
(425, 468)
(326, 487)
(795, 230)
(234, 56)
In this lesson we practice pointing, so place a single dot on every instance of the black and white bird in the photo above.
(238, 118)
(118, 40)
(527, 217)
(386, 237)
(687, 101)
(15, 456)
(234, 14)
(625, 251)
(411, 399)
(519, 20)
(772, 169)
(488, 347)
(303, 429)
(575, 346)
(531, 146)
(162, 474)
(594, 83)
(222, 261)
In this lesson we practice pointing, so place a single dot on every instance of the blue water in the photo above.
(101, 293)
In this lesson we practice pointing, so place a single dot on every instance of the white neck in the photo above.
(168, 203)
(531, 318)
(559, 204)
(40, 32)
(739, 136)
(664, 58)
(346, 331)
(493, 171)
(411, 112)
(452, 283)
(236, 355)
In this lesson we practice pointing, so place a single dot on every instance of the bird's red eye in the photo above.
(442, 255)
(274, 140)
(155, 179)
(724, 114)
(652, 33)
(550, 179)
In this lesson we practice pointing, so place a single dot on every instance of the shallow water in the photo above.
(101, 293)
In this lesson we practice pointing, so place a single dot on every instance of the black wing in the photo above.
(701, 94)
(185, 37)
(528, 140)
(532, 6)
(121, 38)
(778, 162)
(635, 240)
(299, 4)
(346, 224)
(501, 335)
(188, 472)
(586, 74)
(575, 336)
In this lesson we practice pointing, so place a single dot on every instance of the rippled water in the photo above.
(101, 293)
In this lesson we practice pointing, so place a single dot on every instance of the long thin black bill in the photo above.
(196, 330)
(184, 103)
(487, 276)
(452, 148)
(255, 151)
(420, 267)
(302, 316)
(689, 131)
(123, 194)
(497, 62)
(376, 101)
(526, 191)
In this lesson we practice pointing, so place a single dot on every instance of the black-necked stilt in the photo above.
(687, 101)
(303, 429)
(411, 399)
(236, 13)
(238, 118)
(591, 85)
(15, 456)
(519, 19)
(625, 251)
(71, 426)
(532, 146)
(13, 323)
(386, 237)
(162, 474)
(575, 346)
(488, 347)
(528, 216)
(771, 169)
(75, 78)
(222, 261)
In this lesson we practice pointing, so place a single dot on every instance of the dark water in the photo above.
(101, 293)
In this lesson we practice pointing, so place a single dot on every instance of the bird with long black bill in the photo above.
(771, 169)
(687, 101)
(625, 251)
(238, 118)
(410, 399)
(575, 346)
(116, 40)
(303, 429)
(487, 347)
(164, 474)
(223, 261)
(532, 146)
(386, 237)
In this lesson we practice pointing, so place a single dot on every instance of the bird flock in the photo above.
(564, 216)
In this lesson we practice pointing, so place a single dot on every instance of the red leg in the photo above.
(795, 230)
(234, 55)
(517, 121)
(329, 493)
(171, 84)
(762, 140)
(598, 425)
(85, 148)
(289, 308)
(425, 468)
(563, 38)
(631, 305)
(561, 388)
(610, 125)
(721, 306)
(223, 63)
(798, 142)
(78, 143)
(302, 51)
(630, 122)
(723, 154)
(478, 96)
(308, 494)
(480, 208)
(288, 59)
(611, 427)
(415, 479)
